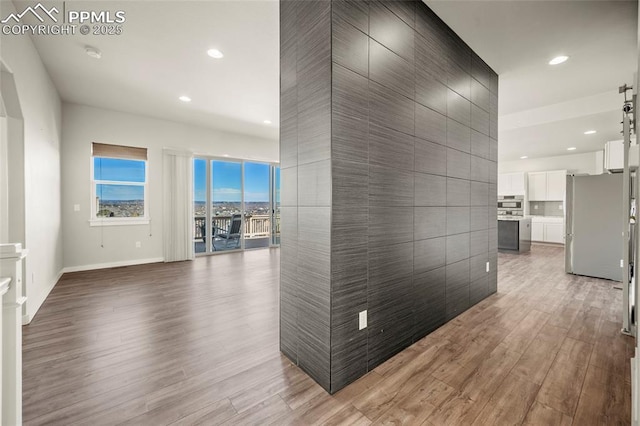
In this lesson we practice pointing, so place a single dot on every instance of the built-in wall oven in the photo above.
(511, 205)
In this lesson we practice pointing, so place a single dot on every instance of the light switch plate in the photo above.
(622, 263)
(488, 267)
(535, 207)
(138, 244)
(76, 207)
(362, 320)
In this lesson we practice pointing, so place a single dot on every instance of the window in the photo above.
(118, 185)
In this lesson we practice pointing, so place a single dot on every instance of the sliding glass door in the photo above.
(256, 205)
(226, 205)
(201, 226)
(233, 205)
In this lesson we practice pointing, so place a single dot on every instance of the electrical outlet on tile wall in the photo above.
(362, 320)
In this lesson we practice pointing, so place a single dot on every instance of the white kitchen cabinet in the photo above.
(537, 231)
(537, 186)
(512, 183)
(554, 233)
(547, 186)
(556, 185)
(614, 155)
(547, 229)
(504, 184)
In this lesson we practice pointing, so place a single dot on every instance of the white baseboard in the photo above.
(26, 319)
(111, 264)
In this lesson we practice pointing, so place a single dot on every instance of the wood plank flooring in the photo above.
(197, 343)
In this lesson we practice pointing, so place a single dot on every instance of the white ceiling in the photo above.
(162, 55)
(545, 109)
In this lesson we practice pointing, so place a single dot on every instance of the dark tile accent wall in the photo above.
(305, 110)
(388, 156)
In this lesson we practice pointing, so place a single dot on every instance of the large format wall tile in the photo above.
(458, 164)
(390, 225)
(431, 190)
(390, 186)
(430, 125)
(390, 69)
(390, 31)
(314, 184)
(430, 301)
(458, 136)
(350, 46)
(431, 222)
(458, 192)
(429, 254)
(430, 157)
(480, 95)
(404, 9)
(480, 144)
(430, 91)
(457, 248)
(355, 12)
(388, 108)
(388, 140)
(350, 115)
(458, 108)
(390, 148)
(350, 185)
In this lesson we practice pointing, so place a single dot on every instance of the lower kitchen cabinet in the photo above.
(554, 233)
(537, 231)
(547, 230)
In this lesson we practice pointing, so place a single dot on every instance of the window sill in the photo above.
(119, 222)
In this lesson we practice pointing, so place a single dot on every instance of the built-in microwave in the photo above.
(511, 205)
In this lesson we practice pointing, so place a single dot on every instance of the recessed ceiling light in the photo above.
(558, 60)
(93, 52)
(524, 157)
(589, 132)
(185, 98)
(573, 148)
(225, 155)
(267, 121)
(215, 53)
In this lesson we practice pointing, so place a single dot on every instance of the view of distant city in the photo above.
(120, 208)
(227, 208)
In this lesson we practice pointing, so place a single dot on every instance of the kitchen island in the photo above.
(514, 233)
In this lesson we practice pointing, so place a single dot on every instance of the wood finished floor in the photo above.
(197, 343)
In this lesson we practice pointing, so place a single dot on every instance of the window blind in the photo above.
(118, 151)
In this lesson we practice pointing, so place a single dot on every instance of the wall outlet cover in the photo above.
(76, 207)
(362, 320)
(138, 244)
(535, 207)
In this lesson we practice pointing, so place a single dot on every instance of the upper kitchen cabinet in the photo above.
(556, 185)
(512, 183)
(547, 186)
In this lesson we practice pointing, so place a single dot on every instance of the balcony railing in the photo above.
(255, 226)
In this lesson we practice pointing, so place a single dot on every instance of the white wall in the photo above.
(4, 182)
(574, 163)
(88, 247)
(41, 110)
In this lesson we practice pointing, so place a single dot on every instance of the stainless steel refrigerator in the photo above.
(593, 245)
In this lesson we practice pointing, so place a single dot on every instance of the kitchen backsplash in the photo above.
(546, 208)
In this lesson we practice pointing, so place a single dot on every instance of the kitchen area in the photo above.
(531, 208)
(579, 210)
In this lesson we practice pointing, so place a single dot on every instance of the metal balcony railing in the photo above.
(255, 226)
